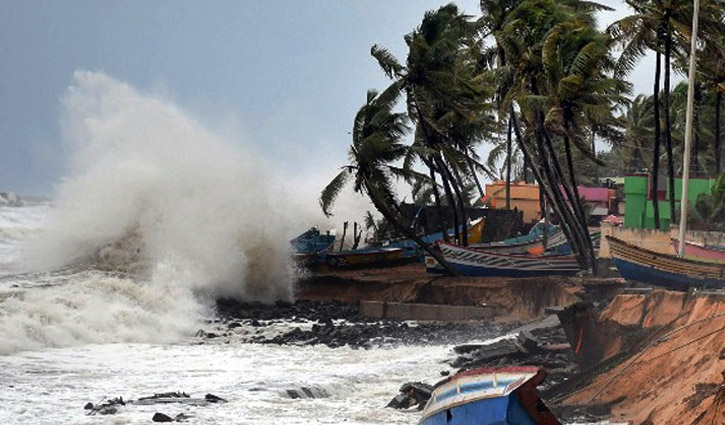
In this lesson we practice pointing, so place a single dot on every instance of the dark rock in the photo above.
(160, 417)
(211, 398)
(418, 391)
(306, 392)
(401, 401)
(88, 406)
(233, 325)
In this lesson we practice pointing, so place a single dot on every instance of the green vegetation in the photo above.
(539, 82)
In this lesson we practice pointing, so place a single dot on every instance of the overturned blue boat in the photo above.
(493, 396)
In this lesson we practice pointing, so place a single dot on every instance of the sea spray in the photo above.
(141, 165)
(149, 192)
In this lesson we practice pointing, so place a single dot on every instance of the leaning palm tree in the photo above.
(445, 100)
(376, 145)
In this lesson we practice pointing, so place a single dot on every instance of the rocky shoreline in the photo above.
(474, 343)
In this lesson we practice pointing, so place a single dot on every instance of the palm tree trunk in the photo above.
(668, 126)
(380, 205)
(577, 199)
(452, 206)
(718, 101)
(548, 187)
(458, 188)
(578, 224)
(471, 167)
(656, 152)
(442, 218)
(508, 167)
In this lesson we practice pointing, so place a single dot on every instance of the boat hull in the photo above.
(494, 411)
(648, 274)
(366, 258)
(495, 396)
(474, 262)
(669, 271)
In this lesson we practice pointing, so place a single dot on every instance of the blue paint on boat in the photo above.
(492, 411)
(312, 241)
(489, 396)
(653, 276)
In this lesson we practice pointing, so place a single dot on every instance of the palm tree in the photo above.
(639, 119)
(376, 144)
(530, 28)
(662, 26)
(445, 100)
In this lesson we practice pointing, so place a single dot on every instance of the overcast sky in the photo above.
(282, 76)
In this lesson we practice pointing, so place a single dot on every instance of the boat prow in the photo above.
(493, 396)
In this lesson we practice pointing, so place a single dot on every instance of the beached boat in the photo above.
(475, 235)
(312, 241)
(531, 243)
(701, 252)
(476, 262)
(496, 396)
(365, 257)
(666, 270)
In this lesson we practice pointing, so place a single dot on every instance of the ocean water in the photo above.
(74, 336)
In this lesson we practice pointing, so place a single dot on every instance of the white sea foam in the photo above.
(149, 191)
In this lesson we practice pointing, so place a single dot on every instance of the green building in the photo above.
(638, 210)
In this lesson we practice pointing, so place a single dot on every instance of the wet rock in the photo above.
(211, 398)
(418, 391)
(412, 394)
(160, 417)
(401, 401)
(306, 392)
(108, 407)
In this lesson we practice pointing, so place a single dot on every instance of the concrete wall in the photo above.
(410, 311)
(654, 240)
(524, 197)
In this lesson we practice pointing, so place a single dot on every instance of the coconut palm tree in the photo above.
(376, 145)
(445, 100)
(531, 27)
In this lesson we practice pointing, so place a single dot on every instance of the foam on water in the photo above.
(53, 386)
(150, 192)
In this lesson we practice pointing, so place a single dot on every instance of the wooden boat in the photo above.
(495, 396)
(312, 241)
(666, 270)
(475, 262)
(531, 243)
(475, 235)
(366, 257)
(700, 252)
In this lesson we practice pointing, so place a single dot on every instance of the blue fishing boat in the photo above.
(530, 243)
(475, 262)
(312, 242)
(494, 396)
(669, 271)
(475, 234)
